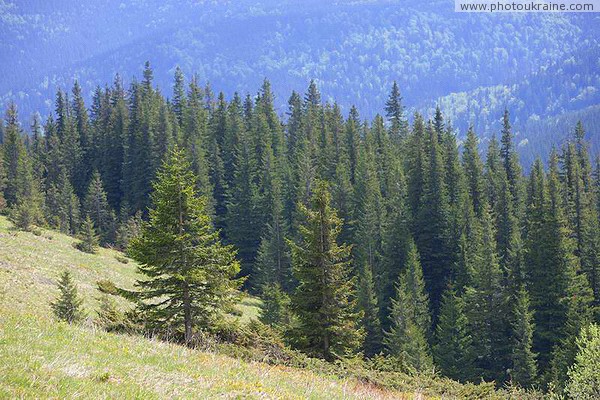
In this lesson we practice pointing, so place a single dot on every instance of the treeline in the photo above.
(372, 236)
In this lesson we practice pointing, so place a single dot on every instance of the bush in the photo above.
(109, 317)
(122, 260)
(107, 287)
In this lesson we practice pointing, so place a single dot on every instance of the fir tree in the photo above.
(396, 240)
(273, 263)
(553, 270)
(82, 134)
(181, 257)
(275, 309)
(62, 206)
(411, 321)
(95, 205)
(324, 300)
(88, 238)
(395, 113)
(179, 96)
(109, 317)
(68, 306)
(510, 162)
(453, 349)
(485, 300)
(129, 228)
(524, 368)
(367, 304)
(432, 225)
(14, 154)
(584, 382)
(474, 172)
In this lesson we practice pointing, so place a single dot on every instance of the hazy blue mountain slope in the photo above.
(537, 64)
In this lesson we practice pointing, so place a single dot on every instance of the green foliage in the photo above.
(485, 300)
(453, 349)
(68, 306)
(324, 300)
(88, 238)
(95, 205)
(367, 304)
(420, 221)
(275, 309)
(524, 367)
(127, 230)
(109, 317)
(411, 321)
(584, 380)
(181, 257)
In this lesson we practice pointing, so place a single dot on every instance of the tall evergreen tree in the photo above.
(453, 349)
(367, 304)
(324, 300)
(181, 257)
(62, 206)
(432, 224)
(524, 368)
(14, 155)
(411, 321)
(394, 111)
(396, 241)
(549, 259)
(510, 162)
(485, 300)
(82, 134)
(88, 238)
(473, 167)
(95, 205)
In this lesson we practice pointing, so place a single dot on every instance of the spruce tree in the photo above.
(242, 222)
(453, 350)
(68, 306)
(396, 240)
(584, 380)
(275, 308)
(559, 293)
(88, 238)
(82, 134)
(273, 262)
(432, 224)
(473, 167)
(395, 113)
(485, 300)
(62, 206)
(369, 215)
(324, 300)
(180, 255)
(411, 320)
(95, 205)
(367, 304)
(524, 367)
(510, 162)
(179, 96)
(129, 228)
(14, 154)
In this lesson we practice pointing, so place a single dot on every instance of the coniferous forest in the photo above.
(382, 238)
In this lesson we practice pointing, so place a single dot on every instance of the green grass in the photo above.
(43, 358)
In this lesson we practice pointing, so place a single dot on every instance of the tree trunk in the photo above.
(187, 314)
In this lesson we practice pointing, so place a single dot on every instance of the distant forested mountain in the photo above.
(543, 67)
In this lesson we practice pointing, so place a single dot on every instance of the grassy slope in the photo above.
(40, 357)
